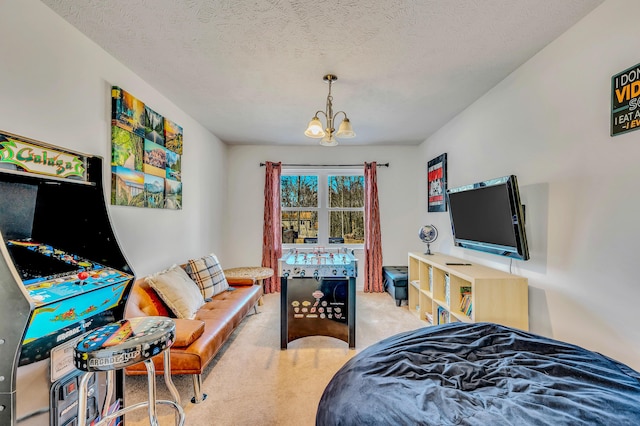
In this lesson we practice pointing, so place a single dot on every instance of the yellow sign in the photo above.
(38, 159)
(625, 101)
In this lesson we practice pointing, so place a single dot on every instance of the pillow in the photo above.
(208, 275)
(157, 306)
(178, 291)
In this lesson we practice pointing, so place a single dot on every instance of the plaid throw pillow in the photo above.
(207, 273)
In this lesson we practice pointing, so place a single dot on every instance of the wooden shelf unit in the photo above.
(435, 286)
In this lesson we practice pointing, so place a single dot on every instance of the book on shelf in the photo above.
(429, 317)
(431, 279)
(447, 286)
(466, 301)
(443, 315)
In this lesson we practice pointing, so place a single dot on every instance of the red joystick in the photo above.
(83, 275)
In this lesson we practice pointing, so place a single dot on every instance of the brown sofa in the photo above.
(199, 339)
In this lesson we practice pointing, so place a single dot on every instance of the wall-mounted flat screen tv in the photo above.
(489, 217)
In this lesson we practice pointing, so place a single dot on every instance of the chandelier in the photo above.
(328, 134)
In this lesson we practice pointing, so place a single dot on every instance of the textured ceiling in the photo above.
(251, 70)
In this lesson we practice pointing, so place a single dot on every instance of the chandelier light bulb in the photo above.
(328, 140)
(345, 130)
(314, 129)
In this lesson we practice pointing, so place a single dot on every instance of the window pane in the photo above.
(299, 191)
(346, 227)
(299, 227)
(346, 191)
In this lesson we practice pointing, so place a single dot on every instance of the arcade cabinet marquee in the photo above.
(62, 274)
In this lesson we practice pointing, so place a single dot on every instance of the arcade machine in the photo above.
(62, 274)
(318, 295)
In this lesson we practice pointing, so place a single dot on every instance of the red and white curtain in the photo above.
(373, 238)
(272, 234)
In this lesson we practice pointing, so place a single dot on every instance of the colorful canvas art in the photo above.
(153, 191)
(126, 149)
(153, 126)
(173, 194)
(155, 159)
(127, 187)
(174, 166)
(127, 111)
(146, 155)
(173, 136)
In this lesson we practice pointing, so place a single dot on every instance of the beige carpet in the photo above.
(253, 382)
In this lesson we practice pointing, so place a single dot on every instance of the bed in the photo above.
(479, 374)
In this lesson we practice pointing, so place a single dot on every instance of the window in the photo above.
(322, 207)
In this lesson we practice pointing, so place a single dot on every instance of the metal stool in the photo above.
(119, 345)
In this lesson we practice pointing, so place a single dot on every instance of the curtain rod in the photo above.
(327, 165)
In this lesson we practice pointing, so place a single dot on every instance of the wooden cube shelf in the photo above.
(446, 289)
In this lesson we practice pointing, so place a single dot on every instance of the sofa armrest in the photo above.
(144, 301)
(187, 331)
(240, 281)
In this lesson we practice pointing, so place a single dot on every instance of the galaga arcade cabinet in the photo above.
(62, 274)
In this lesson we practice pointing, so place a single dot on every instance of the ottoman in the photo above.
(395, 282)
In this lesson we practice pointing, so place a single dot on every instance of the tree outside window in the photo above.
(346, 209)
(322, 208)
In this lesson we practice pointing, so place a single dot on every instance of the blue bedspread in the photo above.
(480, 374)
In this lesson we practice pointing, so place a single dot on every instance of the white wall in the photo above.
(397, 190)
(548, 123)
(55, 87)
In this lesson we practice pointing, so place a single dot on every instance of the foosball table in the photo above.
(318, 294)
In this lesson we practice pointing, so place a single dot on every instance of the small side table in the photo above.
(256, 273)
(121, 344)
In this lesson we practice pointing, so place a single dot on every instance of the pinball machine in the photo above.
(62, 274)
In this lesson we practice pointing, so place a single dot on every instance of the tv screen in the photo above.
(489, 217)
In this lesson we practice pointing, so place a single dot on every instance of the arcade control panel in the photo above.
(51, 274)
(71, 295)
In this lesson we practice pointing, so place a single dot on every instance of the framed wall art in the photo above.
(146, 155)
(625, 101)
(437, 184)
